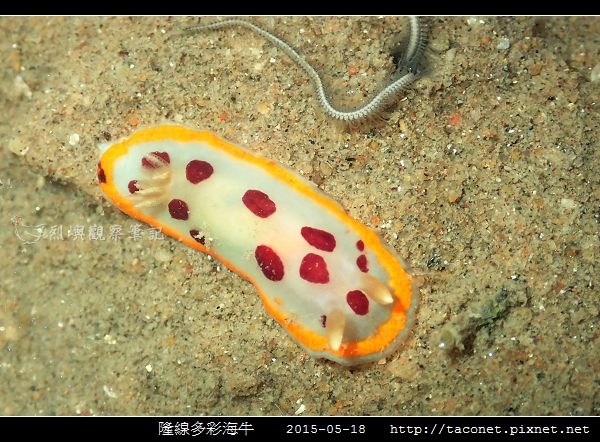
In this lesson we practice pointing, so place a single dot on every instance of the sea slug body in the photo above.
(326, 278)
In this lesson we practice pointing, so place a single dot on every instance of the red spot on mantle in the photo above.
(269, 262)
(161, 155)
(132, 186)
(358, 302)
(197, 237)
(259, 203)
(318, 238)
(197, 171)
(313, 268)
(179, 209)
(362, 263)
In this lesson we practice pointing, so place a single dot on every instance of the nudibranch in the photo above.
(326, 278)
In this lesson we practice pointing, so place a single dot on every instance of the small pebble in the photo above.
(21, 87)
(109, 392)
(162, 255)
(568, 203)
(73, 139)
(325, 168)
(595, 75)
(17, 148)
(503, 44)
(454, 195)
(475, 21)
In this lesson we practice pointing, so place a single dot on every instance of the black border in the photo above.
(480, 8)
(378, 429)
